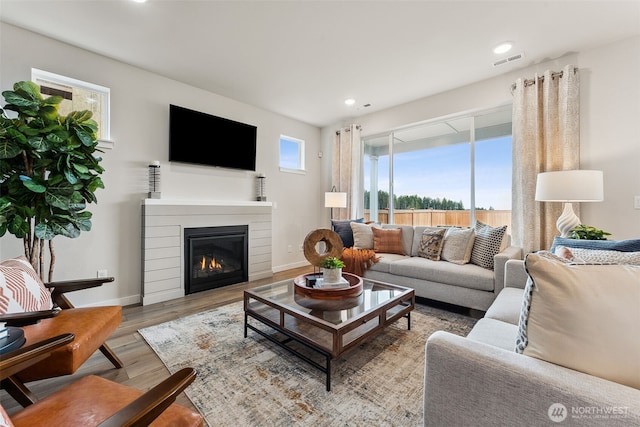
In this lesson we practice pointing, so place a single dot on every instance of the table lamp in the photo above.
(569, 186)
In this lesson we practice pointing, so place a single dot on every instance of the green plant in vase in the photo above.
(332, 269)
(586, 232)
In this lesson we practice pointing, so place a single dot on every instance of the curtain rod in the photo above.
(348, 129)
(529, 82)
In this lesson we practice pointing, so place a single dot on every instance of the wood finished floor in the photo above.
(142, 368)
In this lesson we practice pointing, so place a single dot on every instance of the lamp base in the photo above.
(567, 221)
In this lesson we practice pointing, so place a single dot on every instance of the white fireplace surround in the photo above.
(163, 224)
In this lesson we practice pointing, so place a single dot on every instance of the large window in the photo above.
(443, 172)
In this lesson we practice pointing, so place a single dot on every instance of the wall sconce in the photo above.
(569, 186)
(335, 199)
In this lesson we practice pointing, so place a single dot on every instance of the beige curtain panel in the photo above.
(546, 137)
(347, 149)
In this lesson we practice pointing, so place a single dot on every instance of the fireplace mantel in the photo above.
(163, 224)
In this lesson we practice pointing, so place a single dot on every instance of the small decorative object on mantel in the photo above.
(154, 180)
(261, 187)
(587, 232)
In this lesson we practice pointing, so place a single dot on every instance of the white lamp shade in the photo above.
(570, 186)
(335, 200)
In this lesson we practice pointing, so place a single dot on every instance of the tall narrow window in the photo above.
(77, 96)
(441, 173)
(291, 154)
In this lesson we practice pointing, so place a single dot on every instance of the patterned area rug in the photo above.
(252, 382)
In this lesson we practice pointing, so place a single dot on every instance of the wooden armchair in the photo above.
(93, 400)
(91, 326)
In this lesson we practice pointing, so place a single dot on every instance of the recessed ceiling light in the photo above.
(140, 1)
(503, 48)
(349, 101)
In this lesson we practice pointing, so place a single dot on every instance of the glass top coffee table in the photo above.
(328, 327)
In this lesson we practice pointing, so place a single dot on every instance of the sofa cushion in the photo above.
(385, 261)
(388, 240)
(21, 289)
(487, 244)
(431, 243)
(362, 235)
(343, 228)
(507, 307)
(458, 243)
(630, 245)
(467, 276)
(598, 255)
(494, 332)
(407, 236)
(584, 317)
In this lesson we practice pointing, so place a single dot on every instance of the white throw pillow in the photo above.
(603, 256)
(458, 243)
(585, 317)
(362, 235)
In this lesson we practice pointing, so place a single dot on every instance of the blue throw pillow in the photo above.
(630, 245)
(343, 228)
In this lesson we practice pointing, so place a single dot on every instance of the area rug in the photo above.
(252, 382)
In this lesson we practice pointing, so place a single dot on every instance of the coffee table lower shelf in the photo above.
(327, 333)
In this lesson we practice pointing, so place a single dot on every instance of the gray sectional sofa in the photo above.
(466, 285)
(481, 381)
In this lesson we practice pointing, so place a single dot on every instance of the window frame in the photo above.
(104, 137)
(300, 143)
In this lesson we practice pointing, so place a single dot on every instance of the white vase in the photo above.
(331, 275)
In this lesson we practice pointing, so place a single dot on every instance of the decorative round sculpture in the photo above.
(332, 241)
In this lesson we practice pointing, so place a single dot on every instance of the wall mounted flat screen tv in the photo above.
(204, 139)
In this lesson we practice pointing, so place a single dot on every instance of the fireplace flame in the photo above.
(211, 265)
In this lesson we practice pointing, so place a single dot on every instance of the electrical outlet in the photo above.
(102, 273)
(289, 248)
(636, 202)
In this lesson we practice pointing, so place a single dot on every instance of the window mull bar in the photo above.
(529, 82)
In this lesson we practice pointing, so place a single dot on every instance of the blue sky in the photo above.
(444, 172)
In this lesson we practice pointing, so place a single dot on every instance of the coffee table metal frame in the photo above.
(278, 307)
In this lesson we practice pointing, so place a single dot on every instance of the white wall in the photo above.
(609, 111)
(139, 126)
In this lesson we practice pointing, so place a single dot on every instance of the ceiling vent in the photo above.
(509, 59)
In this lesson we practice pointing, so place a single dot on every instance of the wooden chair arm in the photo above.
(19, 359)
(146, 408)
(28, 317)
(58, 289)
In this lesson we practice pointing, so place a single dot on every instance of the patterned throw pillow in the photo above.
(486, 244)
(431, 244)
(21, 288)
(343, 228)
(458, 243)
(599, 256)
(387, 240)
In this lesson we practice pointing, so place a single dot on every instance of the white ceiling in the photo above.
(303, 58)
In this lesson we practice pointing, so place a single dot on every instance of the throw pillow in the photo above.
(486, 244)
(630, 245)
(387, 240)
(21, 288)
(362, 235)
(431, 244)
(584, 317)
(600, 255)
(343, 228)
(457, 246)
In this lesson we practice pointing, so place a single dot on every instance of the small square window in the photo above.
(291, 154)
(77, 96)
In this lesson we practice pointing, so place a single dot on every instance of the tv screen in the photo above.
(204, 139)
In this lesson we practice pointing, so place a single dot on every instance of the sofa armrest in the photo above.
(515, 276)
(469, 383)
(499, 261)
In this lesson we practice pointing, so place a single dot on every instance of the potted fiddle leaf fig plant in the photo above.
(331, 269)
(48, 171)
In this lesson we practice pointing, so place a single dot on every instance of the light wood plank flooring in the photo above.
(143, 369)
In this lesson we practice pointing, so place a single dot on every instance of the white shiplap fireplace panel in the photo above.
(163, 224)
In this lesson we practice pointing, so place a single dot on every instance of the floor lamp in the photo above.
(335, 199)
(569, 186)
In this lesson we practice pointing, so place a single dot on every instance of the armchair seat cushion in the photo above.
(92, 326)
(90, 401)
